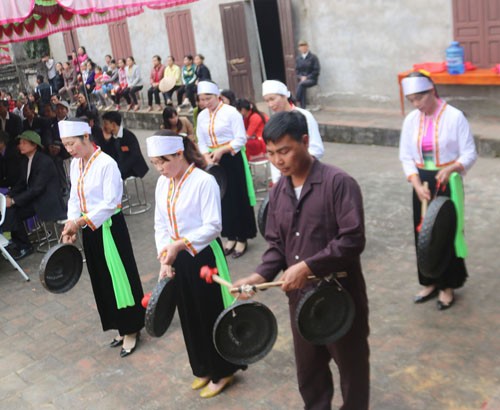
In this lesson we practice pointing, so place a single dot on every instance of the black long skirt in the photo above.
(127, 320)
(199, 304)
(455, 275)
(238, 218)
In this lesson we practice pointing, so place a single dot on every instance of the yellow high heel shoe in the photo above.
(207, 392)
(200, 382)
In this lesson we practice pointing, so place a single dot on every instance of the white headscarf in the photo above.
(159, 145)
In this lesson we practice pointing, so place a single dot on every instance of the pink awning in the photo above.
(16, 11)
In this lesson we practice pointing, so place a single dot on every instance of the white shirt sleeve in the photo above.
(239, 132)
(316, 147)
(467, 147)
(73, 202)
(202, 133)
(162, 235)
(112, 190)
(405, 148)
(211, 227)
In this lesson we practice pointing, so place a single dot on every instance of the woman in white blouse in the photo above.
(436, 147)
(95, 207)
(187, 228)
(222, 137)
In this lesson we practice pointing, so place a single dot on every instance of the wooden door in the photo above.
(120, 39)
(71, 42)
(180, 34)
(237, 51)
(477, 27)
(492, 32)
(287, 40)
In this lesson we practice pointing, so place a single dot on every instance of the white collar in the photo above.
(305, 55)
(120, 132)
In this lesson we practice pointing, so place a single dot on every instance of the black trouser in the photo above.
(190, 91)
(301, 91)
(168, 95)
(130, 94)
(153, 91)
(14, 218)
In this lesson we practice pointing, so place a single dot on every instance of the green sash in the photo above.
(121, 285)
(222, 268)
(248, 177)
(457, 197)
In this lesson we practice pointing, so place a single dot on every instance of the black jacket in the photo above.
(125, 151)
(42, 127)
(308, 66)
(10, 169)
(42, 189)
(203, 73)
(13, 127)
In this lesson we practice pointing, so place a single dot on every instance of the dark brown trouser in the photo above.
(351, 354)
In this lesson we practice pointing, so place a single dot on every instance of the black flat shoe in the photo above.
(423, 299)
(116, 343)
(237, 254)
(229, 251)
(444, 306)
(22, 253)
(125, 353)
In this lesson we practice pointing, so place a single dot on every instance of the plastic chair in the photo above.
(4, 241)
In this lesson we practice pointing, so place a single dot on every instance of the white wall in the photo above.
(363, 44)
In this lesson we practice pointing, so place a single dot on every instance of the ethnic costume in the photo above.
(96, 192)
(224, 126)
(190, 210)
(428, 144)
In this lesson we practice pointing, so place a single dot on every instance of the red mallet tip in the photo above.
(145, 300)
(206, 273)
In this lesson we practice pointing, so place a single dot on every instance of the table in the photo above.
(480, 76)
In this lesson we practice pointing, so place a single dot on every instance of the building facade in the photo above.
(361, 44)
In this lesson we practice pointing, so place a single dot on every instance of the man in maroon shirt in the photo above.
(315, 226)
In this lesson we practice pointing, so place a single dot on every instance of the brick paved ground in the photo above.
(53, 354)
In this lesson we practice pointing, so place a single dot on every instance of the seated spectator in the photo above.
(12, 103)
(10, 159)
(109, 80)
(9, 122)
(228, 97)
(172, 70)
(202, 71)
(18, 109)
(128, 152)
(307, 69)
(84, 107)
(33, 122)
(134, 84)
(188, 89)
(179, 125)
(90, 81)
(154, 79)
(48, 111)
(99, 93)
(36, 193)
(107, 63)
(118, 89)
(70, 82)
(44, 91)
(254, 121)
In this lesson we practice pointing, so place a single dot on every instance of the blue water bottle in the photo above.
(455, 58)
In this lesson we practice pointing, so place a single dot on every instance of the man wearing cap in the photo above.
(277, 97)
(307, 68)
(36, 193)
(9, 122)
